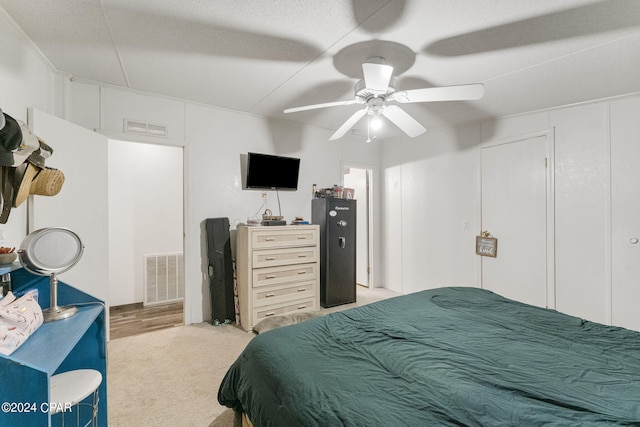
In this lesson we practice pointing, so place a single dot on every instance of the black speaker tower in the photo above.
(220, 271)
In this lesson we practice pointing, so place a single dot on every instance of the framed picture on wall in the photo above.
(486, 246)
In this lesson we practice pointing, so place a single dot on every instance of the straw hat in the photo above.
(48, 182)
(31, 179)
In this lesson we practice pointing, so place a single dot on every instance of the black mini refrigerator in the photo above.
(337, 221)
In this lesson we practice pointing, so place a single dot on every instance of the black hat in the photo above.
(10, 140)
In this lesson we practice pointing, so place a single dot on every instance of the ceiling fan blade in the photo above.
(433, 94)
(377, 76)
(348, 124)
(325, 105)
(403, 120)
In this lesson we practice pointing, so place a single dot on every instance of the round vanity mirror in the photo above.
(48, 252)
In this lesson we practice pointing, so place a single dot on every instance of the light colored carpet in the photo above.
(171, 377)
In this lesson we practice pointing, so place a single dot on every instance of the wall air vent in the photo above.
(163, 278)
(136, 126)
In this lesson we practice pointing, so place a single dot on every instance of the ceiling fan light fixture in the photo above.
(375, 122)
(377, 90)
(377, 76)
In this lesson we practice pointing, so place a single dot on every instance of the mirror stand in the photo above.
(56, 312)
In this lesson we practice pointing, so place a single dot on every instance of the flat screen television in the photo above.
(265, 171)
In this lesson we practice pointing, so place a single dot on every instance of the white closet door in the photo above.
(625, 213)
(514, 210)
(81, 205)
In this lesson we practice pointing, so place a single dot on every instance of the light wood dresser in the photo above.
(277, 271)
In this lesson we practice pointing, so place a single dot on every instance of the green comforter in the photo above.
(448, 356)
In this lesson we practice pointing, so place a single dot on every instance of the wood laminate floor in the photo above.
(134, 319)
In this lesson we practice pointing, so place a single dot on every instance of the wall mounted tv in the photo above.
(265, 171)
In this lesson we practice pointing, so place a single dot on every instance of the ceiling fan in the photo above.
(377, 91)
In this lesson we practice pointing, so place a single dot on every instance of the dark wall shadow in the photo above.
(375, 16)
(578, 21)
(206, 38)
(286, 137)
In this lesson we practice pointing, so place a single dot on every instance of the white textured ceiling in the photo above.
(262, 56)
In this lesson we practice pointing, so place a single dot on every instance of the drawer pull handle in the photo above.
(302, 256)
(271, 276)
(270, 258)
(302, 289)
(269, 295)
(269, 314)
(300, 307)
(302, 237)
(269, 239)
(302, 272)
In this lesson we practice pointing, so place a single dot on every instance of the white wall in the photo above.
(432, 193)
(25, 81)
(145, 212)
(430, 209)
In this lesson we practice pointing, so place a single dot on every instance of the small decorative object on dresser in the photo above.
(277, 271)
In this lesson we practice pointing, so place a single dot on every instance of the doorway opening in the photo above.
(359, 178)
(146, 237)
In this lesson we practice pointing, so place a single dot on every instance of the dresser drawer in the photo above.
(301, 305)
(282, 293)
(275, 257)
(284, 238)
(285, 274)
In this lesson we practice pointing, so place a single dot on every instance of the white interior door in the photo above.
(81, 204)
(514, 210)
(625, 214)
(358, 179)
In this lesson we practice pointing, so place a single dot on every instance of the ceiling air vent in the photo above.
(135, 126)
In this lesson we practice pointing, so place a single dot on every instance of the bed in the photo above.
(447, 356)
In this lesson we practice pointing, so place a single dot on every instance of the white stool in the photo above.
(69, 389)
